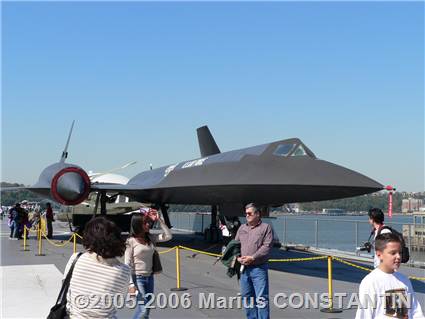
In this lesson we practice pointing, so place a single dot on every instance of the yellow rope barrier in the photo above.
(167, 251)
(31, 231)
(74, 239)
(57, 245)
(200, 251)
(368, 269)
(298, 259)
(351, 264)
(417, 278)
(270, 260)
(75, 235)
(78, 235)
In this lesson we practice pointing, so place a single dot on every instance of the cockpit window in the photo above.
(283, 149)
(299, 151)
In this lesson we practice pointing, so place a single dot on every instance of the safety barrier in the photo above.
(177, 248)
(369, 269)
(25, 239)
(40, 234)
(329, 259)
(26, 231)
(351, 264)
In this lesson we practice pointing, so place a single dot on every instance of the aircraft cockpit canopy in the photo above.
(284, 149)
(292, 149)
(299, 151)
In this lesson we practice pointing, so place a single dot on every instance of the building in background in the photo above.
(411, 205)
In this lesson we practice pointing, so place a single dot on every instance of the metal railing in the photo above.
(320, 232)
(191, 221)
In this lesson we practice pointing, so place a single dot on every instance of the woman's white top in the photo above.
(95, 282)
(139, 256)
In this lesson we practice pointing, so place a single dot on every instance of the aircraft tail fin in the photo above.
(207, 144)
(65, 151)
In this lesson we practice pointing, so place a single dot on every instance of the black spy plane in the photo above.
(271, 174)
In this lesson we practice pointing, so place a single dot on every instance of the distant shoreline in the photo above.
(275, 214)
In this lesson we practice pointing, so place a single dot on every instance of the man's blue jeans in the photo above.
(255, 291)
(17, 231)
(12, 228)
(144, 285)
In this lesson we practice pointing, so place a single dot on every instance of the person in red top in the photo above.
(49, 220)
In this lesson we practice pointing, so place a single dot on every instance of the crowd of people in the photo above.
(19, 216)
(99, 271)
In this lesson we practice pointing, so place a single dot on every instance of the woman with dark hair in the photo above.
(99, 278)
(139, 256)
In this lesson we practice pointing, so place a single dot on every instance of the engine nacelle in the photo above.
(70, 186)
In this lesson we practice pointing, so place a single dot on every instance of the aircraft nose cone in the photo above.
(70, 186)
(340, 182)
(306, 180)
(341, 176)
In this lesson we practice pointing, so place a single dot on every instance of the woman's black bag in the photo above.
(156, 263)
(58, 311)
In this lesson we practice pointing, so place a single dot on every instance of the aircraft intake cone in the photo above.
(71, 186)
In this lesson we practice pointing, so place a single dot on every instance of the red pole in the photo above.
(390, 189)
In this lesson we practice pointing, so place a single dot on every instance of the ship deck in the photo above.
(30, 283)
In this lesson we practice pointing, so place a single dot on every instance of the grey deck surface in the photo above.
(35, 280)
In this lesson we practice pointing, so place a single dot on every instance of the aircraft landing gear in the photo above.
(164, 211)
(103, 200)
(212, 234)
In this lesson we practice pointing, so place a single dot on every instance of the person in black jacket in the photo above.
(49, 220)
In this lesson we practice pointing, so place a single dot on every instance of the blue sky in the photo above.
(140, 77)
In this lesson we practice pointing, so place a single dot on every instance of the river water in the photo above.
(333, 232)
